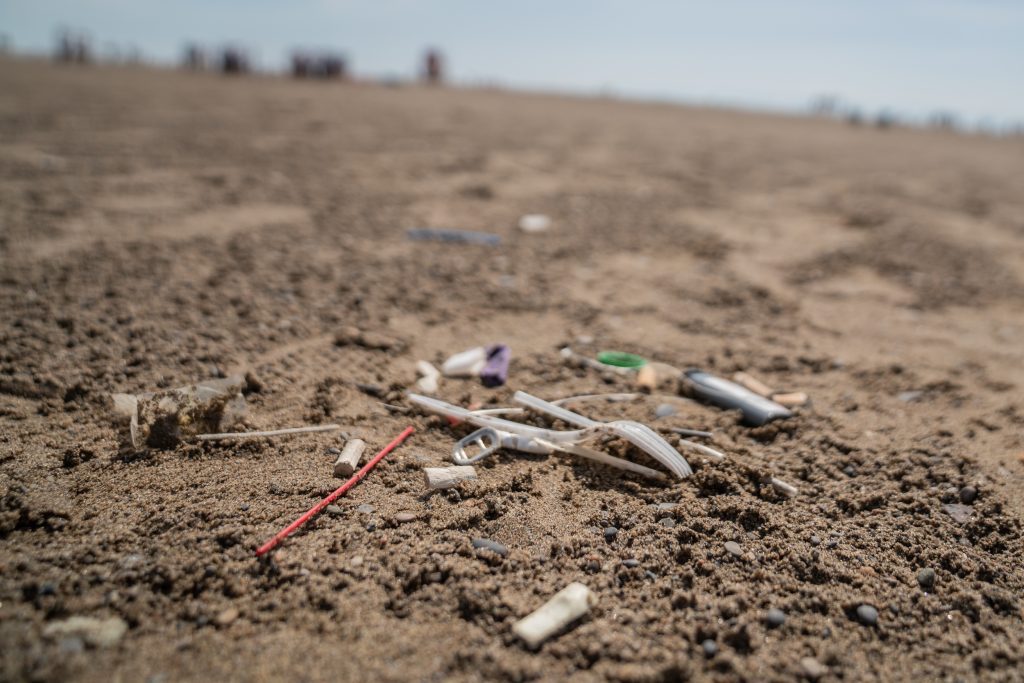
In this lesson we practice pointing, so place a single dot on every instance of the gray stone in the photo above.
(867, 615)
(366, 509)
(665, 410)
(775, 617)
(630, 563)
(710, 648)
(960, 513)
(70, 646)
(488, 544)
(667, 522)
(733, 548)
(926, 578)
(610, 534)
(334, 510)
(405, 516)
(815, 540)
(910, 396)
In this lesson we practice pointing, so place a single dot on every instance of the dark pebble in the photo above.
(775, 617)
(850, 471)
(372, 526)
(244, 507)
(48, 589)
(867, 615)
(630, 563)
(610, 533)
(968, 494)
(710, 648)
(651, 576)
(926, 578)
(667, 522)
(488, 544)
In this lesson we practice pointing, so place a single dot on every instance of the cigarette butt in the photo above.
(447, 477)
(791, 400)
(347, 462)
(565, 607)
(753, 384)
(647, 378)
(782, 487)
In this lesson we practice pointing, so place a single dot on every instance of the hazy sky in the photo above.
(913, 56)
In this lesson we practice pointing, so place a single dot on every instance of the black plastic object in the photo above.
(757, 410)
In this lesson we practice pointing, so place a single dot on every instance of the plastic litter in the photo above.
(577, 359)
(228, 436)
(757, 410)
(621, 359)
(456, 236)
(495, 370)
(466, 363)
(534, 222)
(429, 379)
(540, 438)
(165, 418)
(347, 461)
(564, 607)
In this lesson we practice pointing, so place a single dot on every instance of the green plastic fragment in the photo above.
(621, 359)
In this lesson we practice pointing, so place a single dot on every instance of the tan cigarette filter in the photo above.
(565, 607)
(447, 477)
(753, 384)
(348, 461)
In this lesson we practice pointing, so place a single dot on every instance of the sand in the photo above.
(160, 228)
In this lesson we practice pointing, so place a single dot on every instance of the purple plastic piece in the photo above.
(495, 373)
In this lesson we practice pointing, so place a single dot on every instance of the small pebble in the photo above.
(968, 494)
(333, 510)
(667, 522)
(488, 544)
(630, 563)
(333, 451)
(666, 506)
(812, 668)
(651, 576)
(244, 507)
(850, 471)
(366, 509)
(815, 540)
(405, 516)
(225, 617)
(710, 648)
(867, 615)
(926, 578)
(610, 533)
(959, 513)
(356, 561)
(775, 617)
(665, 410)
(910, 396)
(69, 646)
(733, 548)
(371, 526)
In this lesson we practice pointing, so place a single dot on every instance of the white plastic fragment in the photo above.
(717, 456)
(447, 477)
(565, 607)
(429, 377)
(793, 399)
(534, 222)
(347, 462)
(467, 363)
(782, 487)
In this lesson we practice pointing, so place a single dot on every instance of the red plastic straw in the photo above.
(316, 509)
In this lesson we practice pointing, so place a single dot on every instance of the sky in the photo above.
(912, 57)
